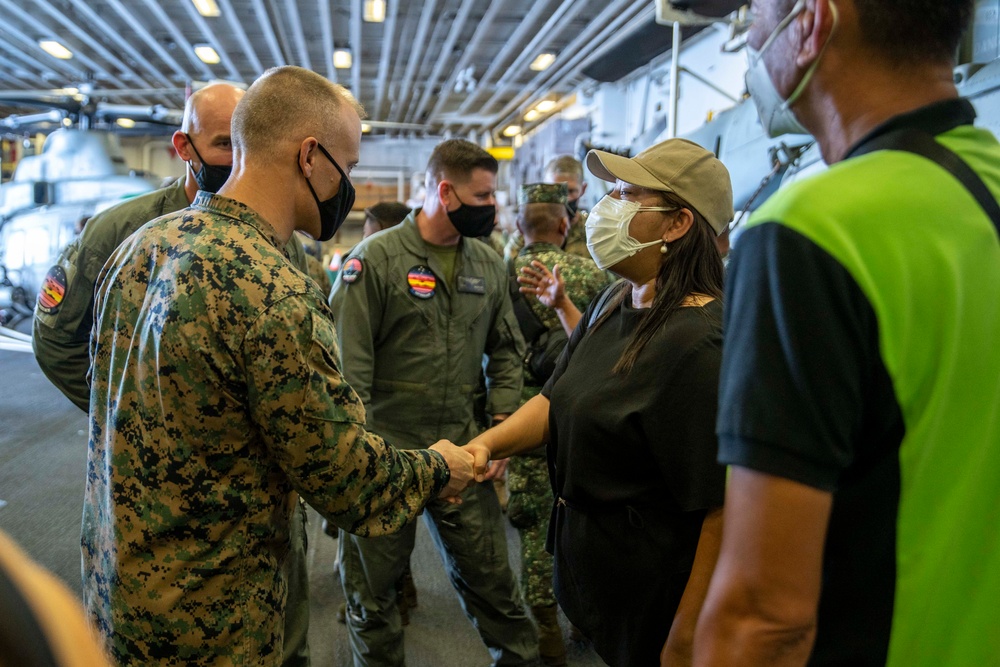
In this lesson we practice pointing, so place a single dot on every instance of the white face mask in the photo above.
(776, 113)
(607, 230)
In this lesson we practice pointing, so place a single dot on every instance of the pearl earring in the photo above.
(663, 248)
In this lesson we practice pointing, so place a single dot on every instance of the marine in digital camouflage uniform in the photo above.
(542, 219)
(217, 399)
(562, 169)
(61, 332)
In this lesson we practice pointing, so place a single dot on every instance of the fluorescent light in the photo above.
(532, 115)
(342, 59)
(365, 128)
(545, 106)
(66, 122)
(206, 7)
(207, 54)
(543, 61)
(127, 123)
(55, 49)
(512, 131)
(374, 11)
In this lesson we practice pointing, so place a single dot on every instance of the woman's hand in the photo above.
(547, 286)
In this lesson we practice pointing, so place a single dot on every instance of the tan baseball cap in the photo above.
(678, 166)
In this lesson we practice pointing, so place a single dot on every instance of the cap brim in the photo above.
(610, 167)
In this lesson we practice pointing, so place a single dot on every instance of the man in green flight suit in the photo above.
(543, 221)
(62, 331)
(418, 306)
(563, 169)
(217, 399)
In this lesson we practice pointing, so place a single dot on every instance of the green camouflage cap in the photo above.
(542, 193)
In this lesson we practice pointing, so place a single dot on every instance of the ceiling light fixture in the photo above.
(206, 7)
(374, 11)
(512, 131)
(545, 106)
(532, 115)
(543, 61)
(365, 128)
(342, 58)
(207, 54)
(127, 123)
(55, 49)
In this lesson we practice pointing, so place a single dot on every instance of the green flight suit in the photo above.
(61, 336)
(413, 348)
(528, 475)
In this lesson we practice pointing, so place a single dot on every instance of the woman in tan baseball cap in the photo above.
(629, 413)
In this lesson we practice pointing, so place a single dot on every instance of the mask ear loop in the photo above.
(835, 13)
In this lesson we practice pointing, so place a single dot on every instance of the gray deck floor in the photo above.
(43, 451)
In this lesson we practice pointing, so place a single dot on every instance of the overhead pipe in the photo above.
(445, 57)
(326, 27)
(154, 8)
(419, 40)
(500, 60)
(85, 37)
(478, 37)
(144, 35)
(23, 54)
(83, 8)
(356, 48)
(279, 24)
(388, 42)
(292, 9)
(241, 36)
(675, 72)
(427, 60)
(264, 21)
(232, 73)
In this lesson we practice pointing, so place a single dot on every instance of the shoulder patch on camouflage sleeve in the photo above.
(53, 290)
(351, 270)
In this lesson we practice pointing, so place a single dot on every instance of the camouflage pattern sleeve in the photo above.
(313, 424)
(576, 237)
(513, 247)
(506, 348)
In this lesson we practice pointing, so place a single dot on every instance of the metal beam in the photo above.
(154, 8)
(538, 10)
(444, 57)
(147, 38)
(241, 36)
(419, 40)
(292, 9)
(265, 26)
(83, 8)
(388, 42)
(31, 45)
(326, 25)
(356, 48)
(482, 30)
(208, 34)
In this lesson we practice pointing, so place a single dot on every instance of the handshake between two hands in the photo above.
(468, 465)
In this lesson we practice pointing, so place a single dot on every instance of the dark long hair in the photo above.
(692, 265)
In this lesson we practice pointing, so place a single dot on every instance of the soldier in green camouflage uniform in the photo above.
(217, 399)
(62, 332)
(562, 169)
(543, 221)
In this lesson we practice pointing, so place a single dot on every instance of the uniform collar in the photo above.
(539, 247)
(176, 195)
(934, 119)
(230, 208)
(414, 242)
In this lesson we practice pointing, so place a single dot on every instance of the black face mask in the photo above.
(210, 177)
(473, 220)
(333, 211)
(572, 207)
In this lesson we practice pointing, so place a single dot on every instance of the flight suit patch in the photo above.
(53, 291)
(472, 285)
(351, 270)
(422, 282)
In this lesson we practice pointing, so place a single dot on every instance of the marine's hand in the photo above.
(548, 286)
(495, 469)
(460, 463)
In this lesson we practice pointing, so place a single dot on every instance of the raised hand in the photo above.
(460, 462)
(547, 286)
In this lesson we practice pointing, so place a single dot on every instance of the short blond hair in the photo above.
(286, 104)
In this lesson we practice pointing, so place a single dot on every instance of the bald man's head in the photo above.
(204, 140)
(287, 104)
